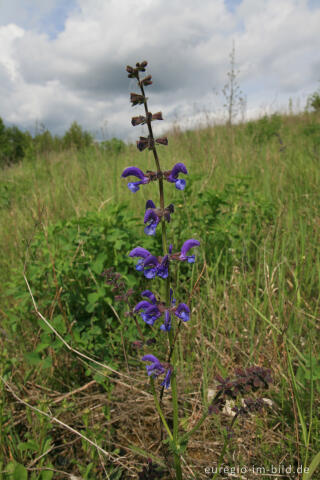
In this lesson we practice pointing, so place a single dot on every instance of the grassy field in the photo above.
(253, 201)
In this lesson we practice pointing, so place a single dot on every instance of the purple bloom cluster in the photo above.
(152, 310)
(157, 368)
(153, 215)
(171, 176)
(159, 266)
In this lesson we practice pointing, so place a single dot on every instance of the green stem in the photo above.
(223, 451)
(156, 401)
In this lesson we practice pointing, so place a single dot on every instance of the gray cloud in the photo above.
(80, 73)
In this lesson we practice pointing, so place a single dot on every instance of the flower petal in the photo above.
(183, 312)
(150, 358)
(150, 229)
(150, 204)
(143, 304)
(180, 184)
(150, 295)
(139, 252)
(178, 168)
(134, 186)
(150, 260)
(187, 245)
(134, 171)
(150, 215)
(166, 381)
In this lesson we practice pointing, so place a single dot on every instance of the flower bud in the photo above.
(146, 81)
(142, 66)
(157, 116)
(132, 72)
(142, 143)
(140, 120)
(136, 99)
(162, 141)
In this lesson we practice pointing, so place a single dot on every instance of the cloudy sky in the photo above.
(64, 60)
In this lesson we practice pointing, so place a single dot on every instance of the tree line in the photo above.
(15, 144)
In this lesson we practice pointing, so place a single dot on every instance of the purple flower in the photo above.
(186, 247)
(150, 312)
(172, 175)
(157, 368)
(140, 252)
(153, 309)
(183, 312)
(135, 172)
(166, 381)
(154, 267)
(152, 217)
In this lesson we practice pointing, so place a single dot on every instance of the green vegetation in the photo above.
(252, 198)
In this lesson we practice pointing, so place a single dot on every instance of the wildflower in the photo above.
(135, 172)
(153, 309)
(150, 312)
(153, 216)
(157, 266)
(172, 175)
(140, 252)
(157, 368)
(183, 312)
(182, 256)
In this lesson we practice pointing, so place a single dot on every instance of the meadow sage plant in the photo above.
(167, 313)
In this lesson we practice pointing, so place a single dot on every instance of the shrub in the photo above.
(264, 129)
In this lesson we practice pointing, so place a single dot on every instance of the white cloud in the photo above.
(80, 73)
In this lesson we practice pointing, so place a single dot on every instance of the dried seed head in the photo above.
(142, 143)
(142, 66)
(157, 116)
(140, 120)
(132, 72)
(137, 99)
(146, 81)
(162, 141)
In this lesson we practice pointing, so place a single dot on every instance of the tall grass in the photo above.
(260, 305)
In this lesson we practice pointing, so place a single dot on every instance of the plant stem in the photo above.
(156, 401)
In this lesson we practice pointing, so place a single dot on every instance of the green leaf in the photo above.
(31, 445)
(46, 475)
(33, 358)
(20, 472)
(97, 266)
(312, 467)
(41, 346)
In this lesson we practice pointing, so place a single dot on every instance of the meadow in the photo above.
(253, 201)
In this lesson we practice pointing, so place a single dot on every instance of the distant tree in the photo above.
(313, 102)
(235, 102)
(13, 144)
(114, 145)
(76, 137)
